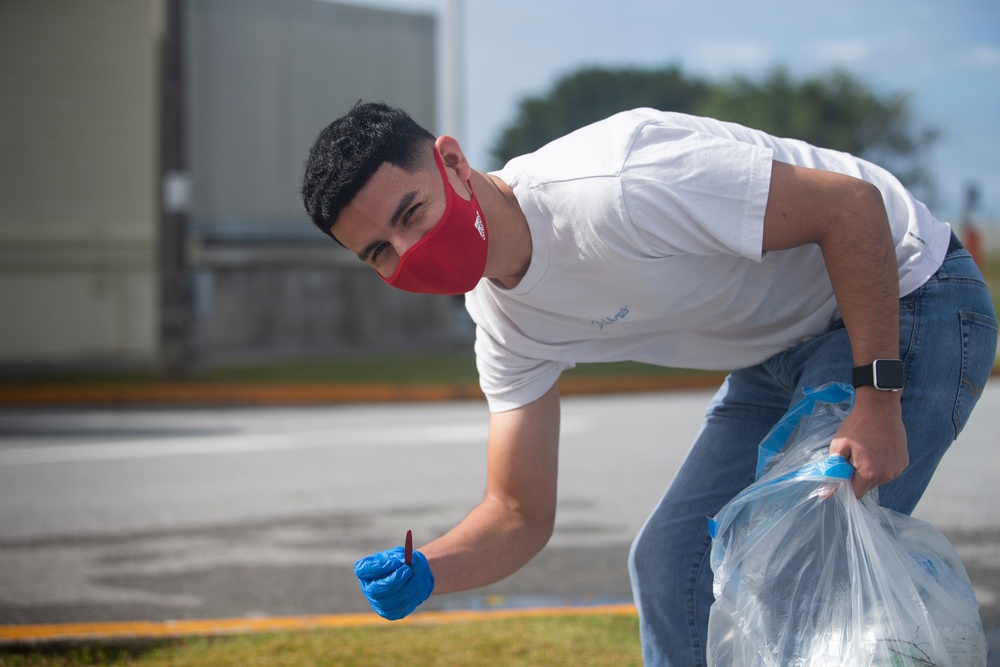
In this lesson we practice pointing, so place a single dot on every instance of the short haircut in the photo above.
(350, 150)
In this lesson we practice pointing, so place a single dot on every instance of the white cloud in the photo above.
(841, 52)
(725, 57)
(978, 56)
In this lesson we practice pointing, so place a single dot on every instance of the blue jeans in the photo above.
(948, 338)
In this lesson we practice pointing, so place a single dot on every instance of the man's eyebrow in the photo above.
(404, 203)
(401, 206)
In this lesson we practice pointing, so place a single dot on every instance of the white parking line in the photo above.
(240, 443)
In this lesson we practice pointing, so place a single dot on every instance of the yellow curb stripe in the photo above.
(226, 626)
(218, 393)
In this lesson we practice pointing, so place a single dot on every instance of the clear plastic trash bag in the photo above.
(806, 575)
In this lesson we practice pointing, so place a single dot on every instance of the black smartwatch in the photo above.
(883, 374)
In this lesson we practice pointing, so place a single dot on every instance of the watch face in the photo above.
(888, 374)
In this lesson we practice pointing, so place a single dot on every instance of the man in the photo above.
(673, 240)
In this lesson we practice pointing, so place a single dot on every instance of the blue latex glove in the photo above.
(394, 589)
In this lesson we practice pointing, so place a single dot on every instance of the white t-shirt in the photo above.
(646, 233)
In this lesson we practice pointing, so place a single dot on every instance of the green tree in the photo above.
(835, 110)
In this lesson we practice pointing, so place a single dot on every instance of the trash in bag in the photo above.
(806, 575)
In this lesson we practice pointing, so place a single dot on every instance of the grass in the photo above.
(558, 641)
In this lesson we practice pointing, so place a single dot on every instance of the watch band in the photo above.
(863, 375)
(883, 374)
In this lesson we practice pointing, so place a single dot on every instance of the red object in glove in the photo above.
(408, 548)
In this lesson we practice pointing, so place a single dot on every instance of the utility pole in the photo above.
(176, 317)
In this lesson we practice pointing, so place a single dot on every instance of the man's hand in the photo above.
(873, 439)
(393, 588)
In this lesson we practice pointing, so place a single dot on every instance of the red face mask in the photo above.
(451, 257)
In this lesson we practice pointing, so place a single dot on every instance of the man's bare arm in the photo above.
(515, 518)
(846, 218)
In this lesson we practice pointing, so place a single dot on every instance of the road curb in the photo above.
(209, 393)
(61, 633)
(235, 394)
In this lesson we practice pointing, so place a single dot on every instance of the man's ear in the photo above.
(453, 157)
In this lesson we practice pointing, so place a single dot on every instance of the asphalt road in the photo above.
(113, 515)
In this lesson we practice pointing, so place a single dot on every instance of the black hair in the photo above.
(352, 148)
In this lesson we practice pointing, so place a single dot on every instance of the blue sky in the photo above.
(944, 53)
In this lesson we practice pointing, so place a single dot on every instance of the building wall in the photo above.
(265, 76)
(80, 132)
(77, 180)
(263, 79)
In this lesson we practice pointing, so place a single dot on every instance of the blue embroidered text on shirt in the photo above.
(608, 321)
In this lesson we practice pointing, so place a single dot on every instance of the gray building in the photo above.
(150, 158)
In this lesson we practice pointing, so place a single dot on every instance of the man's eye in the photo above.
(409, 214)
(378, 250)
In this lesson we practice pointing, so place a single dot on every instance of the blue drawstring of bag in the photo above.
(833, 468)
